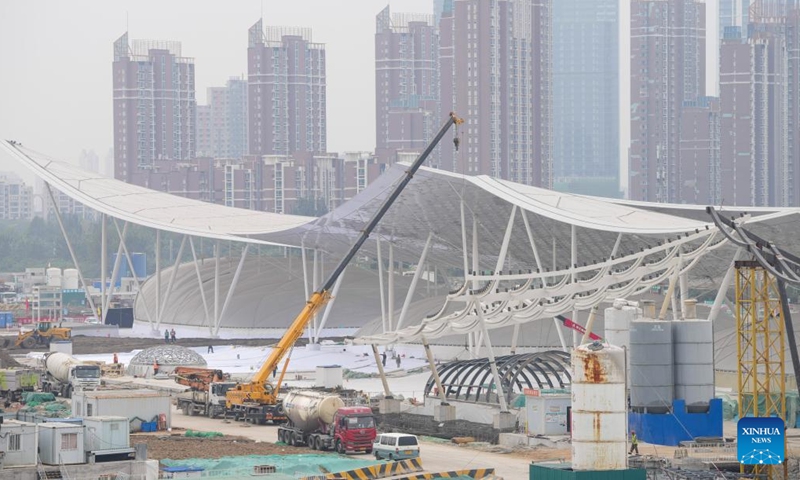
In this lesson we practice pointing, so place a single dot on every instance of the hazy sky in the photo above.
(55, 58)
(55, 85)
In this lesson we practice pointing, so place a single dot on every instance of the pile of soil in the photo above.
(178, 447)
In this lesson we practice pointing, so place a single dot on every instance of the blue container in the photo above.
(6, 319)
(149, 426)
(139, 261)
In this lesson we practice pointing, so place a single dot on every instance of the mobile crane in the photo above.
(257, 400)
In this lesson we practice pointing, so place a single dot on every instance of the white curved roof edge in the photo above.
(244, 222)
(576, 208)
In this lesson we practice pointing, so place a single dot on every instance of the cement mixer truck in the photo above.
(65, 373)
(322, 422)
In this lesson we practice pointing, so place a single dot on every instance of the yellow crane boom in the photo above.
(249, 398)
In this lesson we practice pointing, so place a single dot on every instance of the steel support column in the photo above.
(390, 283)
(231, 289)
(105, 298)
(386, 392)
(158, 278)
(173, 275)
(103, 265)
(216, 282)
(200, 286)
(71, 251)
(560, 334)
(492, 363)
(435, 371)
(133, 271)
(723, 287)
(414, 280)
(380, 284)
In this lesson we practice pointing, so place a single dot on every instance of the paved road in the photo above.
(435, 456)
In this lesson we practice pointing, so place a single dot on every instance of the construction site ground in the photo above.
(436, 456)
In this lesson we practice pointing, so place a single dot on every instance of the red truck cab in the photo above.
(354, 429)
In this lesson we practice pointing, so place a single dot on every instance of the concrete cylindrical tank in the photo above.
(71, 279)
(694, 363)
(307, 409)
(53, 276)
(652, 360)
(599, 408)
(58, 365)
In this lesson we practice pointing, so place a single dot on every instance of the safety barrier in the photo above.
(381, 470)
(476, 473)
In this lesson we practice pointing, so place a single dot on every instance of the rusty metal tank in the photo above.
(599, 408)
(308, 410)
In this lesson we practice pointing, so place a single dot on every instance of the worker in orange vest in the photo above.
(155, 367)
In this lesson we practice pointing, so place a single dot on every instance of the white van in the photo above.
(395, 446)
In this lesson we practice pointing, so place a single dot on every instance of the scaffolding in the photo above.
(760, 348)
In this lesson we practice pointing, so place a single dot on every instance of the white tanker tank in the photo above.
(321, 421)
(307, 408)
(65, 373)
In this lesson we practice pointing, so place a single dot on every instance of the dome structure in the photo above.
(167, 356)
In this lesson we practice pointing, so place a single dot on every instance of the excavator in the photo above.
(257, 400)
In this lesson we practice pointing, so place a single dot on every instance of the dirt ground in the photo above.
(176, 446)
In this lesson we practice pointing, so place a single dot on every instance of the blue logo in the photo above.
(760, 441)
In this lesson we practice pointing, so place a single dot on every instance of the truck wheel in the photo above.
(185, 408)
(67, 392)
(340, 447)
(377, 455)
(280, 435)
(28, 343)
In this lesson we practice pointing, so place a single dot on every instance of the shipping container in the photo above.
(107, 433)
(6, 319)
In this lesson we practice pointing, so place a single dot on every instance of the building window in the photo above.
(15, 442)
(69, 441)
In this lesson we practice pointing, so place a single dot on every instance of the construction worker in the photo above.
(116, 359)
(166, 336)
(634, 443)
(155, 367)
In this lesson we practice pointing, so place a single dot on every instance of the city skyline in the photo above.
(59, 36)
(352, 134)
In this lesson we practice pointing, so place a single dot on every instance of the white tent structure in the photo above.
(480, 255)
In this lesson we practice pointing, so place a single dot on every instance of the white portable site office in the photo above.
(61, 443)
(18, 444)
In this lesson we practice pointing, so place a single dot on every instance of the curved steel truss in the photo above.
(470, 380)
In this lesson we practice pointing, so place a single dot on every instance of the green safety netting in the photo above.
(33, 399)
(192, 433)
(730, 406)
(286, 466)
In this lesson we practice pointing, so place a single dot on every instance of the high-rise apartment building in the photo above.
(285, 92)
(222, 124)
(700, 152)
(667, 69)
(406, 83)
(16, 198)
(495, 69)
(154, 105)
(586, 96)
(733, 13)
(759, 106)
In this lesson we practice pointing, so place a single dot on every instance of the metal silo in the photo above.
(599, 410)
(652, 360)
(618, 323)
(694, 363)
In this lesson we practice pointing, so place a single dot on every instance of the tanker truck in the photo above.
(65, 373)
(322, 422)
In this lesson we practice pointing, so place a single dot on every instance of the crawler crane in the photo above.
(257, 400)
